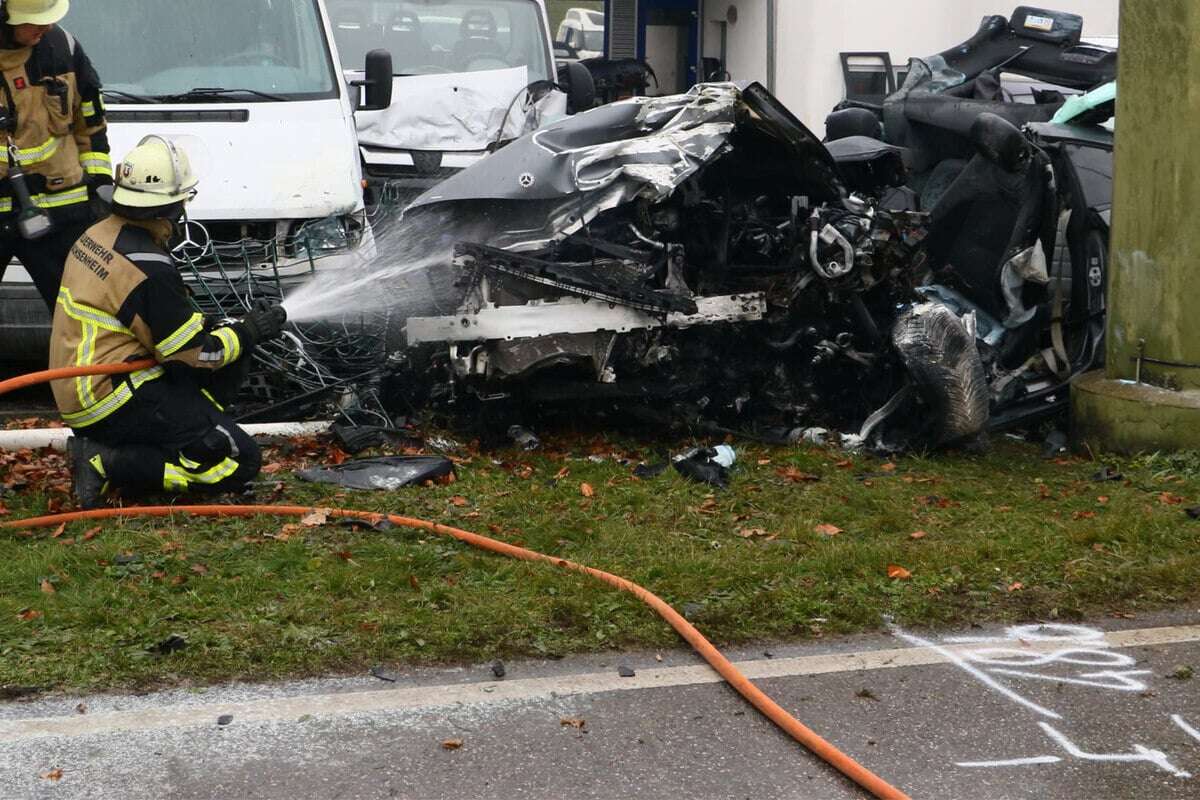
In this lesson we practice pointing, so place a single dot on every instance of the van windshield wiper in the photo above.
(207, 92)
(136, 98)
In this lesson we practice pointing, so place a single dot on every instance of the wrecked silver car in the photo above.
(701, 258)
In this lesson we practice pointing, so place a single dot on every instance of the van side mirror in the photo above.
(576, 80)
(377, 82)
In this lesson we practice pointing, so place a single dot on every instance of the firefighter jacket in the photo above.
(51, 94)
(122, 299)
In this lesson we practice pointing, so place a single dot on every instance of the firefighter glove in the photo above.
(265, 321)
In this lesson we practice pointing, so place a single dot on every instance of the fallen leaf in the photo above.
(918, 535)
(414, 583)
(59, 531)
(458, 500)
(200, 569)
(750, 533)
(825, 529)
(1004, 509)
(452, 744)
(939, 502)
(797, 476)
(54, 775)
(1084, 515)
(81, 708)
(1016, 586)
(1168, 499)
(888, 467)
(47, 587)
(573, 722)
(586, 490)
(4, 511)
(318, 517)
(562, 473)
(762, 462)
(345, 555)
(847, 464)
(28, 614)
(709, 506)
(271, 469)
(1102, 500)
(90, 533)
(897, 572)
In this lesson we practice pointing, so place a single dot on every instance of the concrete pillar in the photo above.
(1154, 267)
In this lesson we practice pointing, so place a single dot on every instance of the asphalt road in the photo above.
(1083, 712)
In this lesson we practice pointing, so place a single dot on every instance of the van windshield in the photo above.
(159, 48)
(429, 38)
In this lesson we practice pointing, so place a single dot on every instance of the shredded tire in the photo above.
(940, 355)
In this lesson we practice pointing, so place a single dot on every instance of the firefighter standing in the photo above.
(52, 127)
(122, 299)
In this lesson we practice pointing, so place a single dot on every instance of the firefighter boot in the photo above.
(89, 480)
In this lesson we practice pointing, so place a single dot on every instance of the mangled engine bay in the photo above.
(696, 257)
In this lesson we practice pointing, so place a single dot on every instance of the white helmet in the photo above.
(155, 173)
(36, 12)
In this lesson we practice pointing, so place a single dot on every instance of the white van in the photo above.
(469, 76)
(582, 30)
(253, 91)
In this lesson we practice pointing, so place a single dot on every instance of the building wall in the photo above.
(811, 33)
(746, 40)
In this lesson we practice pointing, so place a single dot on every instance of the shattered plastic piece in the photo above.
(172, 644)
(356, 438)
(646, 471)
(725, 455)
(1055, 444)
(383, 674)
(817, 436)
(700, 465)
(523, 438)
(387, 473)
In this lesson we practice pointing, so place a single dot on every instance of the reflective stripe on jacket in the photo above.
(121, 300)
(53, 92)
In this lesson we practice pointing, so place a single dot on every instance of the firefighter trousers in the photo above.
(173, 437)
(42, 258)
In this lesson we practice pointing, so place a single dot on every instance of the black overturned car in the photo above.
(705, 259)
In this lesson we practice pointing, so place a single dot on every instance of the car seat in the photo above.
(991, 212)
(477, 37)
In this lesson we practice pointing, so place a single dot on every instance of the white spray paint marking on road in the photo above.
(1140, 753)
(1086, 647)
(975, 672)
(1188, 729)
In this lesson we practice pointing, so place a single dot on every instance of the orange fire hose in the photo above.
(724, 667)
(34, 378)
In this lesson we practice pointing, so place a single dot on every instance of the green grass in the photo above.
(1008, 537)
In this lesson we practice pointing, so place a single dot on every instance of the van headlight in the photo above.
(334, 234)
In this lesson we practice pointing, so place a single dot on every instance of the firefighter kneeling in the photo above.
(122, 299)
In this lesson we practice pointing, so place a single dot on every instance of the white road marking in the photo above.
(1012, 762)
(499, 692)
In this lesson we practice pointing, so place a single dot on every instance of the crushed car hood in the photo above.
(457, 112)
(551, 183)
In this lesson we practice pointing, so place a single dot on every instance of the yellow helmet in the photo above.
(36, 12)
(155, 173)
